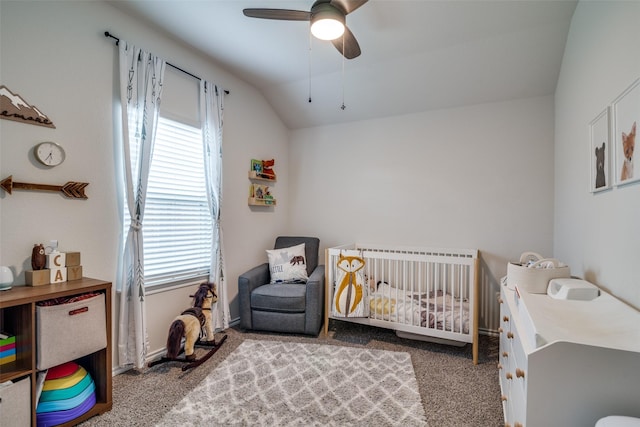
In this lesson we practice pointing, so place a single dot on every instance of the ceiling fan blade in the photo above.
(348, 6)
(281, 14)
(351, 46)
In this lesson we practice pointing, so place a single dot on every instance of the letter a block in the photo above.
(58, 275)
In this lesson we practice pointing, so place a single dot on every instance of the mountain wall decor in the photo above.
(14, 107)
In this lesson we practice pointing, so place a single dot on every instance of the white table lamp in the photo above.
(6, 278)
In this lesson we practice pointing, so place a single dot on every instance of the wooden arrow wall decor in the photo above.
(73, 190)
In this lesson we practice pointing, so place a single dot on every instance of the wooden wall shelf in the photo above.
(258, 188)
(253, 201)
(254, 175)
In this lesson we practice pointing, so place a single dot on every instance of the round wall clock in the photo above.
(49, 153)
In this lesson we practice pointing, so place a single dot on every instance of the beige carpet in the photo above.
(274, 383)
(454, 392)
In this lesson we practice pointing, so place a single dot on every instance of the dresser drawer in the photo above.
(519, 405)
(519, 367)
(513, 364)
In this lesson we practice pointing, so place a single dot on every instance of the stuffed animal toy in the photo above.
(267, 169)
(193, 322)
(38, 257)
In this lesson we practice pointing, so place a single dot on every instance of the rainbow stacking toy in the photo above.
(68, 392)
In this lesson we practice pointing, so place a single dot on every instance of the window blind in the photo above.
(177, 226)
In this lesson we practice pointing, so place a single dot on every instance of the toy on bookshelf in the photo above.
(267, 169)
(59, 267)
(68, 391)
(260, 191)
(7, 348)
(263, 169)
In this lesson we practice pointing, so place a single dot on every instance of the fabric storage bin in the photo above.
(533, 273)
(534, 280)
(15, 403)
(68, 331)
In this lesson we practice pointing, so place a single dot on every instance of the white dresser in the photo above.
(567, 363)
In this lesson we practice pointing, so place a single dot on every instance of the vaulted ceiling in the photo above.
(417, 55)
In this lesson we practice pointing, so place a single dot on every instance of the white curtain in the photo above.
(141, 75)
(211, 98)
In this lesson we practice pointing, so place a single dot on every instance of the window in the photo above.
(177, 222)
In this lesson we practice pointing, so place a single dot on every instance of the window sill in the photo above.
(158, 289)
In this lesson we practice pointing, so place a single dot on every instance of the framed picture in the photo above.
(599, 152)
(626, 115)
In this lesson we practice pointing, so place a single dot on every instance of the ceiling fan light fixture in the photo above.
(327, 23)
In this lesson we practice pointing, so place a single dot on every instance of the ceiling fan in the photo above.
(327, 19)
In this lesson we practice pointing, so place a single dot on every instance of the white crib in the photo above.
(418, 292)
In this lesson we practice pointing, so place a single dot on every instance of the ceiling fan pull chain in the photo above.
(343, 60)
(310, 40)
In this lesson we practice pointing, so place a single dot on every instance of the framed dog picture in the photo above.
(626, 115)
(599, 152)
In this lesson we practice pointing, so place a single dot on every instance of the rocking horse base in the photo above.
(193, 362)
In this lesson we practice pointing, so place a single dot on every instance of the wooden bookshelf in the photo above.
(18, 316)
(260, 188)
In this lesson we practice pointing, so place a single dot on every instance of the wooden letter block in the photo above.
(58, 275)
(74, 273)
(55, 260)
(36, 277)
(73, 259)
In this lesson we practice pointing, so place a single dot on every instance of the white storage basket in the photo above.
(534, 277)
(66, 332)
(15, 403)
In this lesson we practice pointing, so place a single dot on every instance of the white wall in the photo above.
(55, 55)
(479, 176)
(472, 177)
(597, 234)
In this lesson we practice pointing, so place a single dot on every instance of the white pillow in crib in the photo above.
(288, 264)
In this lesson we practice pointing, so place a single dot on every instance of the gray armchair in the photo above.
(284, 307)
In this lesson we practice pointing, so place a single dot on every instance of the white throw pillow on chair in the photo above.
(288, 265)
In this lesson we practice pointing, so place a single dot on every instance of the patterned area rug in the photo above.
(271, 383)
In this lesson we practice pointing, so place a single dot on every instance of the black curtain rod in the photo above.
(108, 34)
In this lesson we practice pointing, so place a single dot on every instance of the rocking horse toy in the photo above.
(196, 327)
